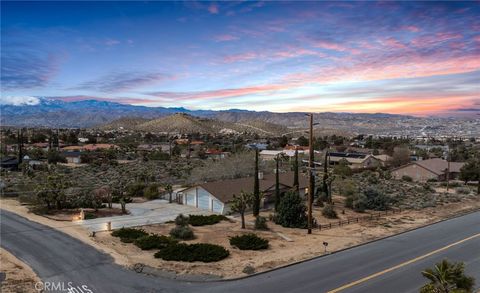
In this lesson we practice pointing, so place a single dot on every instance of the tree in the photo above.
(283, 141)
(241, 203)
(302, 141)
(277, 182)
(53, 191)
(105, 193)
(256, 188)
(296, 183)
(291, 211)
(54, 157)
(446, 277)
(471, 172)
(342, 169)
(401, 156)
(169, 189)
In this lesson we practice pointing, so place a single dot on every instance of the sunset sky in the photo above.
(419, 58)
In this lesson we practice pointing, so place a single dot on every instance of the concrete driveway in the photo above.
(151, 212)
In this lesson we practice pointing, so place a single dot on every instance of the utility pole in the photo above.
(311, 179)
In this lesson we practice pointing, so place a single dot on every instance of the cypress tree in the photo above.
(277, 184)
(256, 188)
(296, 185)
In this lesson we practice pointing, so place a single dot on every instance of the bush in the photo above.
(291, 211)
(463, 190)
(261, 223)
(181, 220)
(193, 252)
(154, 242)
(373, 199)
(201, 220)
(129, 235)
(89, 216)
(249, 242)
(407, 178)
(432, 180)
(135, 189)
(151, 192)
(182, 232)
(328, 212)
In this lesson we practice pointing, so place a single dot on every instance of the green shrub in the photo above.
(462, 190)
(182, 232)
(201, 220)
(432, 180)
(89, 216)
(151, 192)
(291, 211)
(328, 212)
(135, 189)
(249, 242)
(181, 220)
(372, 199)
(129, 235)
(407, 178)
(154, 242)
(193, 252)
(261, 223)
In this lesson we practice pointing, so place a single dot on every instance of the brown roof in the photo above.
(225, 189)
(437, 165)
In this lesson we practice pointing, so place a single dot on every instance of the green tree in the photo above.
(342, 169)
(277, 181)
(291, 211)
(241, 203)
(302, 141)
(296, 183)
(471, 172)
(256, 188)
(168, 188)
(446, 277)
(52, 192)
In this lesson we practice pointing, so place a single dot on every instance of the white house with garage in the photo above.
(216, 196)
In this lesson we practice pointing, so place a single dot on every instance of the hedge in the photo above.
(129, 235)
(201, 220)
(203, 252)
(249, 242)
(154, 242)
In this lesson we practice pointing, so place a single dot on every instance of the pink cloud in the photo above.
(213, 9)
(393, 43)
(411, 28)
(240, 57)
(225, 38)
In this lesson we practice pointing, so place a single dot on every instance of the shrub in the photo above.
(291, 211)
(89, 216)
(249, 242)
(373, 199)
(129, 235)
(261, 223)
(462, 190)
(201, 220)
(328, 212)
(193, 252)
(135, 189)
(182, 232)
(151, 192)
(407, 178)
(181, 220)
(432, 180)
(154, 242)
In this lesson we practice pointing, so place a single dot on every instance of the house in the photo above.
(216, 154)
(72, 157)
(428, 169)
(9, 163)
(99, 146)
(384, 159)
(216, 196)
(355, 160)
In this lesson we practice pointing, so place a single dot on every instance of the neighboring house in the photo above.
(259, 146)
(216, 196)
(355, 160)
(428, 169)
(72, 157)
(216, 154)
(384, 159)
(99, 146)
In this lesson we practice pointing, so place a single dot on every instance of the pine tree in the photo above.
(296, 184)
(256, 188)
(277, 183)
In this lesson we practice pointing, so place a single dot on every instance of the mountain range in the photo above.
(92, 114)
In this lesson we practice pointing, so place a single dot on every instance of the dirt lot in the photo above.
(19, 276)
(286, 245)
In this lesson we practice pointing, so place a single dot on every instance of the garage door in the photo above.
(190, 199)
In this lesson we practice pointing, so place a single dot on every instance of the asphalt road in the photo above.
(389, 265)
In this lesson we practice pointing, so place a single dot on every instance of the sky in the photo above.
(418, 58)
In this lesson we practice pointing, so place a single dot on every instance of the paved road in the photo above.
(58, 257)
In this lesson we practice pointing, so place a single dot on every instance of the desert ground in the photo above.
(19, 277)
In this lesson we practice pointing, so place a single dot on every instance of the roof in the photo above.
(224, 190)
(383, 158)
(437, 165)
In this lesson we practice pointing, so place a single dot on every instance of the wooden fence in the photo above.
(370, 217)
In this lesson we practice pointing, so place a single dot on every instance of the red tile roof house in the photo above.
(216, 196)
(428, 169)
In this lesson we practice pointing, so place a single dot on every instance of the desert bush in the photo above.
(462, 190)
(328, 212)
(135, 189)
(261, 223)
(432, 180)
(182, 232)
(201, 220)
(181, 220)
(151, 192)
(129, 235)
(89, 216)
(407, 178)
(193, 252)
(291, 211)
(154, 242)
(451, 184)
(249, 242)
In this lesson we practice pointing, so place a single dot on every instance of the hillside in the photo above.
(127, 123)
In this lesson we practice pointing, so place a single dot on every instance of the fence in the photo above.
(370, 217)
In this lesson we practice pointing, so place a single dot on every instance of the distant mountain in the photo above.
(93, 113)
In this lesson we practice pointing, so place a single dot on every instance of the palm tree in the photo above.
(446, 277)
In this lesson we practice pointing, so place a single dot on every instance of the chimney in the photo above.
(260, 175)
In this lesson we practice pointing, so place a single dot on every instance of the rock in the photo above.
(248, 269)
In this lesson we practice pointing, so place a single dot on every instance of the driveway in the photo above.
(151, 212)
